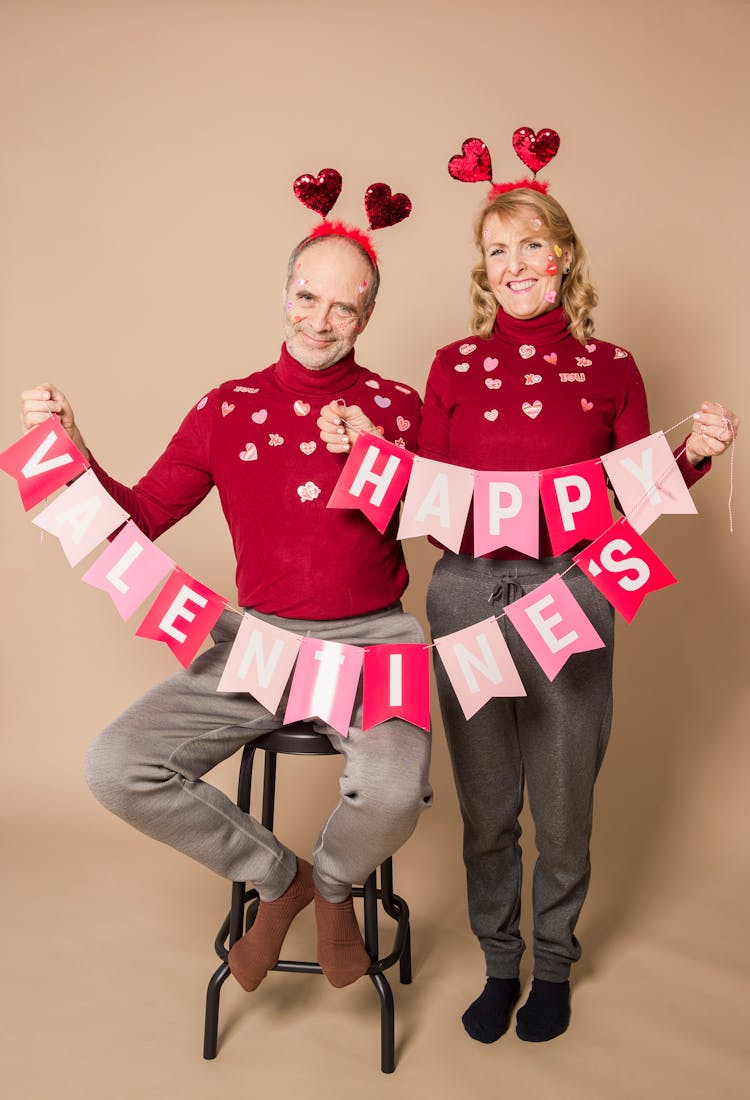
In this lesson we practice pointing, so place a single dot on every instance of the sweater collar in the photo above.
(548, 328)
(294, 376)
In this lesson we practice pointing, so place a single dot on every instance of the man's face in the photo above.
(324, 310)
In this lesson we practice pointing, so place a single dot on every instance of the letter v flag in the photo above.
(42, 460)
(325, 683)
(396, 684)
(261, 661)
(624, 568)
(373, 479)
(182, 615)
(479, 665)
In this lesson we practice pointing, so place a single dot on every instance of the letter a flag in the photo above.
(648, 481)
(506, 512)
(373, 479)
(261, 661)
(479, 665)
(576, 503)
(42, 460)
(81, 517)
(129, 569)
(624, 568)
(553, 625)
(437, 502)
(325, 683)
(182, 615)
(396, 684)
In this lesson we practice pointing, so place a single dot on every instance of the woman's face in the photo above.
(524, 267)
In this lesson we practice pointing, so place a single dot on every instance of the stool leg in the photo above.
(211, 1027)
(393, 909)
(387, 1026)
(269, 790)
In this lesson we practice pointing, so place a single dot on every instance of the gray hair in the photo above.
(308, 242)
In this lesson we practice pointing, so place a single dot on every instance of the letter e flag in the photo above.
(396, 684)
(553, 625)
(182, 615)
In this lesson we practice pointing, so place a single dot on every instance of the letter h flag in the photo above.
(373, 479)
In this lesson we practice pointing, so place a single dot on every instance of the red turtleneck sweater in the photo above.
(530, 397)
(256, 440)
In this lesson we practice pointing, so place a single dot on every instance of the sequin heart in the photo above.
(308, 491)
(491, 414)
(467, 349)
(620, 354)
(490, 363)
(260, 416)
(461, 367)
(250, 453)
(526, 351)
(535, 149)
(532, 411)
(590, 347)
(551, 358)
(301, 408)
(382, 402)
(533, 379)
(383, 207)
(587, 406)
(308, 448)
(403, 389)
(226, 408)
(319, 193)
(473, 163)
(202, 403)
(582, 361)
(493, 383)
(403, 424)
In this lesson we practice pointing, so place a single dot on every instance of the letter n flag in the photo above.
(261, 661)
(373, 479)
(479, 665)
(396, 684)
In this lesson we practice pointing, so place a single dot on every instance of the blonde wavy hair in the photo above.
(577, 294)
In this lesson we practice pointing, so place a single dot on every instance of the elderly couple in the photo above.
(332, 575)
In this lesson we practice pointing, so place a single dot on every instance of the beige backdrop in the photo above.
(148, 150)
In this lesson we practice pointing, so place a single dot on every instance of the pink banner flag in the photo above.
(506, 512)
(182, 615)
(624, 568)
(396, 684)
(42, 460)
(325, 683)
(479, 664)
(647, 481)
(81, 517)
(261, 661)
(129, 569)
(437, 502)
(373, 479)
(576, 503)
(553, 625)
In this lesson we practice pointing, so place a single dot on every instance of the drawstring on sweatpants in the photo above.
(506, 591)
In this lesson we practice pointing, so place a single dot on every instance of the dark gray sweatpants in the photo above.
(554, 739)
(147, 768)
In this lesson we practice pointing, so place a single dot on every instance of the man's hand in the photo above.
(37, 404)
(339, 426)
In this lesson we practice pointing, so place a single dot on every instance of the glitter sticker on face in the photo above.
(362, 286)
(557, 250)
(550, 296)
(290, 305)
(301, 282)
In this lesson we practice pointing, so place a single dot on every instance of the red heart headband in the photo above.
(474, 164)
(383, 208)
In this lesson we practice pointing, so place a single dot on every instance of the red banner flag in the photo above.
(396, 684)
(576, 503)
(42, 461)
(182, 615)
(624, 568)
(373, 479)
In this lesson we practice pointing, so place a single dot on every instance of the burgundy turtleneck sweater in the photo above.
(256, 440)
(530, 397)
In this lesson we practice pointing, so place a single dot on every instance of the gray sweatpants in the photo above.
(554, 739)
(147, 768)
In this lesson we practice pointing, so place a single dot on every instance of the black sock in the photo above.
(487, 1018)
(546, 1013)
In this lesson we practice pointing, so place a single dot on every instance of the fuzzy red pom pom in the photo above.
(532, 185)
(340, 229)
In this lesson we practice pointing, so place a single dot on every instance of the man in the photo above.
(325, 573)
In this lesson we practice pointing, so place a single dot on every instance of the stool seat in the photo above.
(302, 739)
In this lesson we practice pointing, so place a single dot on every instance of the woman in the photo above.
(558, 397)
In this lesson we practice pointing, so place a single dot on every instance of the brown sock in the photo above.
(258, 951)
(341, 950)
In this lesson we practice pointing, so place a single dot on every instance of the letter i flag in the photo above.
(373, 479)
(624, 568)
(182, 615)
(396, 684)
(325, 683)
(42, 461)
(261, 661)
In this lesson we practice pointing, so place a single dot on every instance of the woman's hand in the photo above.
(340, 425)
(714, 428)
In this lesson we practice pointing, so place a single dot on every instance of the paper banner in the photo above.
(373, 479)
(553, 625)
(42, 460)
(325, 683)
(81, 517)
(624, 568)
(576, 503)
(437, 502)
(182, 615)
(396, 684)
(506, 512)
(261, 661)
(647, 481)
(129, 569)
(479, 665)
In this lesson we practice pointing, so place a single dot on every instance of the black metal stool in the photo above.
(301, 739)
